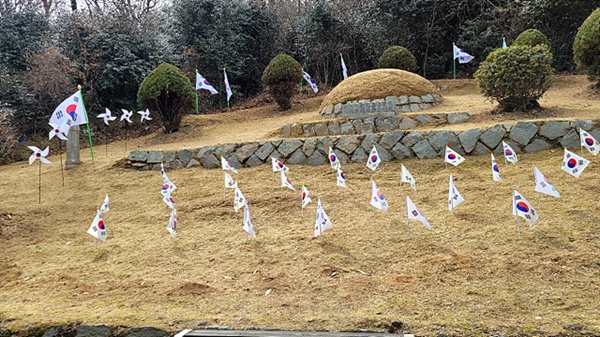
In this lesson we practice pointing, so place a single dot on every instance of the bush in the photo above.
(532, 37)
(516, 77)
(399, 58)
(281, 78)
(586, 47)
(8, 137)
(169, 93)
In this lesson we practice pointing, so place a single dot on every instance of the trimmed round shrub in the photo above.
(281, 78)
(516, 77)
(169, 93)
(399, 58)
(586, 47)
(532, 37)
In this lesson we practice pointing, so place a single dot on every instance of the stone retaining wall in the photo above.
(368, 125)
(394, 145)
(384, 107)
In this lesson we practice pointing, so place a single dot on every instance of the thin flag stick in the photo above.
(539, 200)
(106, 143)
(580, 144)
(407, 220)
(196, 94)
(453, 62)
(516, 216)
(62, 168)
(40, 182)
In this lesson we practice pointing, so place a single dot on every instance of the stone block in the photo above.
(554, 129)
(170, 156)
(193, 162)
(347, 128)
(232, 159)
(206, 149)
(328, 110)
(406, 108)
(414, 107)
(209, 161)
(176, 164)
(245, 151)
(334, 128)
(423, 149)
(296, 130)
(308, 130)
(384, 154)
(337, 109)
(368, 126)
(288, 146)
(92, 331)
(582, 124)
(414, 99)
(297, 158)
(316, 159)
(392, 101)
(369, 141)
(254, 161)
(348, 144)
(424, 106)
(523, 132)
(422, 119)
(412, 138)
(357, 124)
(264, 151)
(480, 150)
(403, 99)
(323, 144)
(537, 145)
(440, 115)
(138, 156)
(286, 131)
(510, 143)
(571, 140)
(427, 99)
(359, 156)
(146, 332)
(468, 139)
(383, 124)
(437, 98)
(225, 150)
(321, 129)
(492, 137)
(439, 140)
(390, 139)
(399, 151)
(407, 123)
(185, 156)
(457, 118)
(309, 147)
(155, 157)
(276, 142)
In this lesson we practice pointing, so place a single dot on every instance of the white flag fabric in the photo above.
(71, 111)
(285, 182)
(344, 69)
(167, 199)
(61, 131)
(238, 199)
(453, 157)
(305, 197)
(310, 82)
(574, 164)
(377, 199)
(202, 83)
(227, 87)
(126, 115)
(278, 165)
(495, 170)
(462, 56)
(225, 165)
(322, 223)
(374, 159)
(406, 177)
(341, 178)
(39, 154)
(333, 159)
(454, 197)
(145, 115)
(97, 228)
(105, 205)
(229, 182)
(413, 213)
(589, 142)
(523, 208)
(504, 46)
(168, 187)
(248, 225)
(107, 116)
(172, 224)
(543, 185)
(509, 153)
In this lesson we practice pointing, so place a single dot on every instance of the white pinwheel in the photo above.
(145, 115)
(126, 115)
(107, 116)
(39, 154)
(60, 131)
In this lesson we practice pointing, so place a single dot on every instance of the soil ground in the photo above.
(472, 274)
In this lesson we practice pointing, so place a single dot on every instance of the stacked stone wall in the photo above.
(383, 107)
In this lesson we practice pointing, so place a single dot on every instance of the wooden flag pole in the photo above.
(40, 181)
(62, 168)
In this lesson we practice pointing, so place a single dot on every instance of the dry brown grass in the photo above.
(378, 83)
(471, 275)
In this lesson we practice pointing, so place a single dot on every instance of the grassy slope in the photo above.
(470, 275)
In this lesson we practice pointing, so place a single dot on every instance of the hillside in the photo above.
(470, 275)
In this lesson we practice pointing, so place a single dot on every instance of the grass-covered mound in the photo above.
(379, 83)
